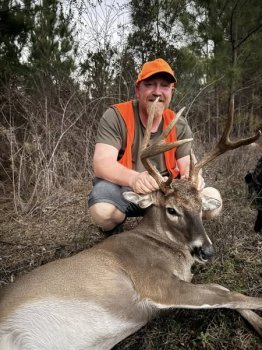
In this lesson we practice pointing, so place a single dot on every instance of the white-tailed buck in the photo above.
(98, 297)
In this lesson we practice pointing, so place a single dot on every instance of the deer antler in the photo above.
(224, 145)
(159, 146)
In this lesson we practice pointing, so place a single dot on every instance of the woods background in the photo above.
(62, 63)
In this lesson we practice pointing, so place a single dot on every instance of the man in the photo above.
(116, 162)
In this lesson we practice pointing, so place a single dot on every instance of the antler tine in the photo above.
(224, 144)
(159, 146)
(147, 164)
(171, 125)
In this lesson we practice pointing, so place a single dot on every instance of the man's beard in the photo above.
(159, 108)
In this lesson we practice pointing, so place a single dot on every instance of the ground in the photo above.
(64, 227)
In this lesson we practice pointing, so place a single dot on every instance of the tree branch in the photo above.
(248, 35)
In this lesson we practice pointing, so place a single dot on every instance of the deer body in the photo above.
(98, 297)
(76, 303)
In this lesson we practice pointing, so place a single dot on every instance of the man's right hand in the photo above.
(108, 168)
(144, 183)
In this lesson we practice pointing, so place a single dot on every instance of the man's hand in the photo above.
(144, 183)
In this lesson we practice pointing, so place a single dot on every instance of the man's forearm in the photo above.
(116, 173)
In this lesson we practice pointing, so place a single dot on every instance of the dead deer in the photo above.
(98, 297)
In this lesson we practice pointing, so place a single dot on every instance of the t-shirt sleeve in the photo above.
(111, 130)
(183, 132)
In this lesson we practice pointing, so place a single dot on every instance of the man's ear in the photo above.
(137, 89)
(142, 200)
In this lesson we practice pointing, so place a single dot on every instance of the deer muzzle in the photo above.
(203, 254)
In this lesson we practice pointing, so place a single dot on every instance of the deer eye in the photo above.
(171, 211)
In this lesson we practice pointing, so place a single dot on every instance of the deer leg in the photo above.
(175, 293)
(252, 318)
(212, 296)
(165, 289)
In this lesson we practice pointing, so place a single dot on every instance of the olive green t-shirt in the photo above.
(112, 131)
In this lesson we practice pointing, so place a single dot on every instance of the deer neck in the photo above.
(148, 221)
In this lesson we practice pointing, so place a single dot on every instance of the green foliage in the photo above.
(229, 28)
(52, 48)
(156, 29)
(98, 69)
(227, 37)
(15, 23)
(126, 73)
(36, 42)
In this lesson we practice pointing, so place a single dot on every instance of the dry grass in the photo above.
(63, 227)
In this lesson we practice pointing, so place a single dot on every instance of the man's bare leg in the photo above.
(213, 193)
(106, 216)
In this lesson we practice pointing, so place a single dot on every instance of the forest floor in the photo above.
(64, 228)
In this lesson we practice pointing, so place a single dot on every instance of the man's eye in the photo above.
(171, 211)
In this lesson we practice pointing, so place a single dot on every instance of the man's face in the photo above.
(149, 89)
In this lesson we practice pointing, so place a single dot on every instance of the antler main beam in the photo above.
(159, 146)
(224, 145)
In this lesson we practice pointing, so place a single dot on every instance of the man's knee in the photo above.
(213, 193)
(106, 215)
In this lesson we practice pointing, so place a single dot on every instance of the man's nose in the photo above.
(157, 90)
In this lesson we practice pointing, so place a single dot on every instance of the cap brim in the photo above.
(170, 76)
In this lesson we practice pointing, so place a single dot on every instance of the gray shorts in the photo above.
(107, 192)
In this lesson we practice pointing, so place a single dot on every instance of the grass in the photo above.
(63, 228)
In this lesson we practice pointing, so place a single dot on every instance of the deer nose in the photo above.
(204, 253)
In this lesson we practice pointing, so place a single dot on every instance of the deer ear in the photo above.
(209, 203)
(142, 200)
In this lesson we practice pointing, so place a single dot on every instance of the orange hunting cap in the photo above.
(153, 67)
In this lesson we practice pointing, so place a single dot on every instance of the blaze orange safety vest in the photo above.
(127, 113)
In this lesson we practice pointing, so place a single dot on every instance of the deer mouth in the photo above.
(202, 254)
